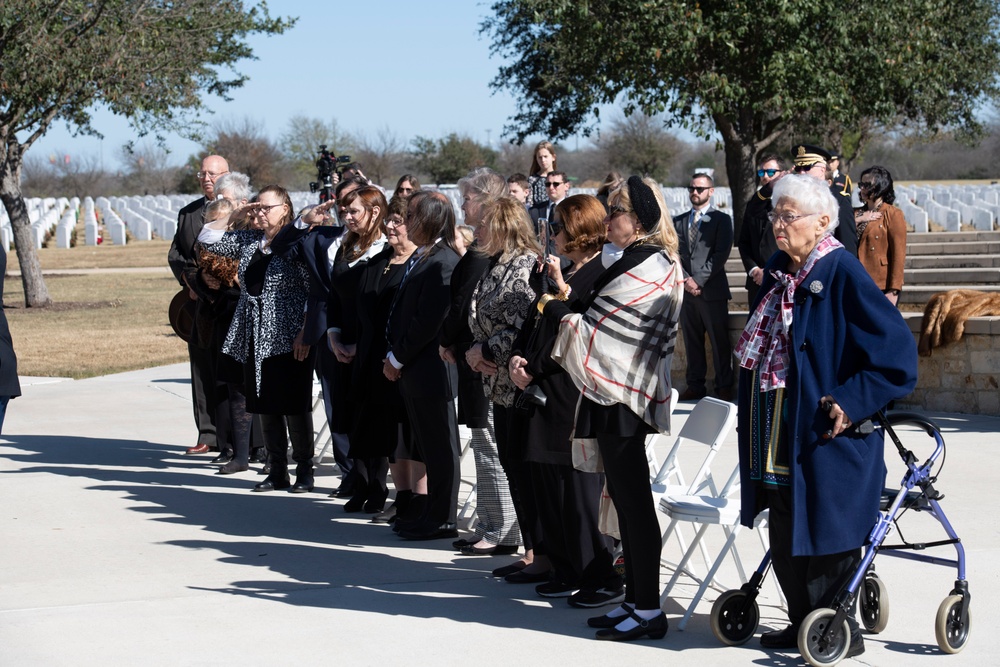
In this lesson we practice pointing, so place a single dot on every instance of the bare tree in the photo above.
(640, 144)
(148, 169)
(380, 156)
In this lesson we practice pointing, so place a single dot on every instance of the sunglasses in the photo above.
(554, 184)
(555, 228)
(699, 190)
(866, 185)
(803, 168)
(767, 172)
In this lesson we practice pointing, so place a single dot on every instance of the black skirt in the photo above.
(285, 385)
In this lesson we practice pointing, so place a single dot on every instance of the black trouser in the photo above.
(239, 422)
(808, 582)
(434, 426)
(203, 396)
(276, 436)
(699, 317)
(509, 426)
(627, 475)
(568, 502)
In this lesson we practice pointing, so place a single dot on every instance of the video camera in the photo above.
(327, 165)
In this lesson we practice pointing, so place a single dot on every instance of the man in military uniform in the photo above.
(842, 180)
(813, 161)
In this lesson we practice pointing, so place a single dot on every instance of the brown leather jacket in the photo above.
(882, 248)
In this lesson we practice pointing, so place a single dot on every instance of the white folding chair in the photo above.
(323, 434)
(467, 513)
(654, 465)
(721, 509)
(708, 425)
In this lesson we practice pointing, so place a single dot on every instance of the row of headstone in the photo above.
(112, 222)
(66, 225)
(91, 230)
(952, 206)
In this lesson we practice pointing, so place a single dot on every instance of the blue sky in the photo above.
(419, 68)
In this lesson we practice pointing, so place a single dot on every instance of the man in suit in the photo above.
(705, 238)
(184, 263)
(756, 242)
(425, 382)
(557, 186)
(813, 161)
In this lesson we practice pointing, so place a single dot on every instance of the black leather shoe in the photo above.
(233, 466)
(465, 542)
(271, 484)
(302, 485)
(346, 490)
(442, 531)
(224, 457)
(857, 646)
(654, 628)
(606, 621)
(787, 638)
(388, 515)
(258, 455)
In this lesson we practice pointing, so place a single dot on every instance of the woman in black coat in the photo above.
(621, 364)
(9, 385)
(567, 500)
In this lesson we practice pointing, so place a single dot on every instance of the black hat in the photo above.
(805, 155)
(644, 203)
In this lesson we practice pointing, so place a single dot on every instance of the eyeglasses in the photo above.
(786, 218)
(767, 172)
(395, 222)
(803, 168)
(699, 190)
(265, 209)
(211, 174)
(616, 210)
(553, 184)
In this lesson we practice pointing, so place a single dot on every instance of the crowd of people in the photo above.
(546, 323)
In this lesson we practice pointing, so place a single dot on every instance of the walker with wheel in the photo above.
(824, 637)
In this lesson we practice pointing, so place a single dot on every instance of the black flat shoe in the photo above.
(521, 577)
(465, 542)
(606, 621)
(516, 566)
(224, 457)
(258, 455)
(273, 485)
(787, 638)
(494, 550)
(654, 628)
(233, 466)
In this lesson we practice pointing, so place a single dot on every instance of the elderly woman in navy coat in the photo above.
(822, 351)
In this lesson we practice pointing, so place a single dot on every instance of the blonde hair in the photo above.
(663, 234)
(510, 229)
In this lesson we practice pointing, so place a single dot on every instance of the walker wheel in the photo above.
(951, 628)
(735, 616)
(874, 604)
(817, 651)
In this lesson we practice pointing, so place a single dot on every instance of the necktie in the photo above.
(693, 228)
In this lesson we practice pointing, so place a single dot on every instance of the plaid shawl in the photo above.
(764, 341)
(620, 349)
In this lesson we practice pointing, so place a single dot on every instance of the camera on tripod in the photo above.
(327, 165)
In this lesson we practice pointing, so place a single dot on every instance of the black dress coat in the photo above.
(473, 406)
(549, 428)
(376, 400)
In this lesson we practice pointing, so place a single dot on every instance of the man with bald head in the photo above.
(184, 263)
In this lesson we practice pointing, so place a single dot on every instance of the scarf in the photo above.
(620, 349)
(764, 341)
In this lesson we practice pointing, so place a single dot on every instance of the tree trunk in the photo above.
(741, 154)
(35, 293)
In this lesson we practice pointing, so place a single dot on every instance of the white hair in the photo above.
(809, 195)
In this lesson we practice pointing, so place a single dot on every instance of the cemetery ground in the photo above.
(102, 321)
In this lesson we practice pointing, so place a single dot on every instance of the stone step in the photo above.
(949, 261)
(954, 248)
(953, 237)
(945, 277)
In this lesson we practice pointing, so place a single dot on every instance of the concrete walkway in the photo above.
(118, 550)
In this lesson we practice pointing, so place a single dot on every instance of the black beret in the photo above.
(644, 203)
